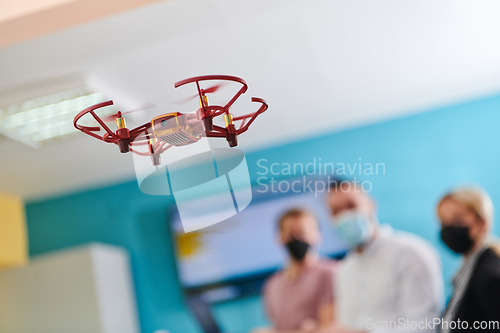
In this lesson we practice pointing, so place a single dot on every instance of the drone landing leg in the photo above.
(208, 124)
(156, 159)
(124, 145)
(232, 137)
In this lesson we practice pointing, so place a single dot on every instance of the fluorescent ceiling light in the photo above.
(43, 112)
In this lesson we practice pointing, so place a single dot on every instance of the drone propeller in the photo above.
(209, 90)
(115, 116)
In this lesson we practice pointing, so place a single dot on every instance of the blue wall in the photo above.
(424, 155)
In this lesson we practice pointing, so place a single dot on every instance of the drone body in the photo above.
(176, 129)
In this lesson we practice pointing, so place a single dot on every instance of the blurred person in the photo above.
(299, 298)
(466, 217)
(390, 279)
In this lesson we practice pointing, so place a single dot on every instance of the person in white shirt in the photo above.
(390, 281)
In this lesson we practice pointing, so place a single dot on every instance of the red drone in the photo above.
(176, 129)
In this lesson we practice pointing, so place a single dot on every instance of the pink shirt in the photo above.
(291, 301)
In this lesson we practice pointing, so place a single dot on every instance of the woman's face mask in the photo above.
(457, 238)
(354, 227)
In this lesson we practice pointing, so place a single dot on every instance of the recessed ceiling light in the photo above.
(41, 112)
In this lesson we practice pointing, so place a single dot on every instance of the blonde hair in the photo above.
(476, 200)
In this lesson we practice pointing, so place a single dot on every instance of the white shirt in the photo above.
(393, 285)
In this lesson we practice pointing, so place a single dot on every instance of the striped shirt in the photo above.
(460, 284)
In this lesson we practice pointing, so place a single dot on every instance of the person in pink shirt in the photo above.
(300, 297)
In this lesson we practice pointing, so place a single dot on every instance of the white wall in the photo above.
(88, 289)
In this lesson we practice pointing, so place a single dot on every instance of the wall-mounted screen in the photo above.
(245, 246)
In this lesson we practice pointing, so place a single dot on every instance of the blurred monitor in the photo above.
(232, 258)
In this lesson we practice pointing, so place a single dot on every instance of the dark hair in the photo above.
(293, 214)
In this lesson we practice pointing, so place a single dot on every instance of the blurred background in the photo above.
(413, 87)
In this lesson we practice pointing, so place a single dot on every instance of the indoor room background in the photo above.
(425, 155)
(411, 86)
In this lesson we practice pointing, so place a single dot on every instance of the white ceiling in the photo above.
(338, 63)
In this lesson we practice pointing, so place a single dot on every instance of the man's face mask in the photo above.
(297, 249)
(456, 238)
(354, 227)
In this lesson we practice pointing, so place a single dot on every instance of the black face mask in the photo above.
(297, 249)
(457, 238)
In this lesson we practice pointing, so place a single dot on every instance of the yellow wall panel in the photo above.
(13, 238)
